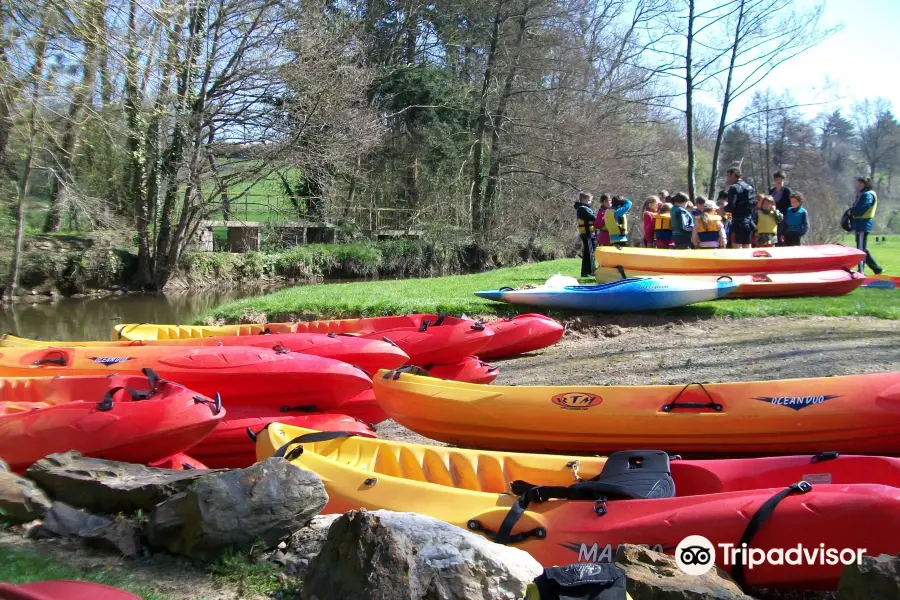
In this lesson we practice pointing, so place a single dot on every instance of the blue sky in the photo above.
(861, 61)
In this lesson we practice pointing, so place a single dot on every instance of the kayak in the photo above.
(469, 370)
(858, 413)
(63, 590)
(885, 282)
(231, 445)
(636, 497)
(425, 340)
(127, 418)
(737, 261)
(521, 334)
(368, 354)
(775, 285)
(243, 376)
(625, 295)
(180, 462)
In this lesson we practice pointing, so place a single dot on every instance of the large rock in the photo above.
(64, 521)
(655, 576)
(107, 486)
(260, 505)
(304, 545)
(20, 500)
(877, 578)
(384, 555)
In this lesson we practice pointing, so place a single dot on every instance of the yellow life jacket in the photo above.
(585, 227)
(870, 214)
(715, 224)
(766, 224)
(615, 228)
(662, 222)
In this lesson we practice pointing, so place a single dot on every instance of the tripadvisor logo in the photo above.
(695, 555)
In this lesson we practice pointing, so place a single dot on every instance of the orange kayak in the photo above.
(738, 261)
(775, 285)
(856, 414)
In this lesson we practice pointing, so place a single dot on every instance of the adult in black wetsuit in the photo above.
(585, 216)
(741, 204)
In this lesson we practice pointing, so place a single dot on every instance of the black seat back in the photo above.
(644, 473)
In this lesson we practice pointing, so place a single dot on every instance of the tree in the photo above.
(877, 133)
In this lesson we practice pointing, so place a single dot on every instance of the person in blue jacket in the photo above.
(616, 222)
(862, 213)
(796, 221)
(584, 218)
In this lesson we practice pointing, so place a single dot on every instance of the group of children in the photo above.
(677, 222)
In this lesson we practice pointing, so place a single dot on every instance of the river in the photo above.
(93, 318)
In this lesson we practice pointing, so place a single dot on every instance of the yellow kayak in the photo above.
(570, 509)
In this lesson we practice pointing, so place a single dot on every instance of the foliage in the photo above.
(249, 577)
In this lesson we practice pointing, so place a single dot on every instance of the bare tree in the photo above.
(877, 133)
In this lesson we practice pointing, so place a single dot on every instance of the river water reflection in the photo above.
(93, 318)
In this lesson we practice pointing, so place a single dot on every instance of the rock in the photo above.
(107, 486)
(611, 331)
(20, 500)
(383, 554)
(304, 545)
(877, 578)
(257, 506)
(656, 576)
(64, 521)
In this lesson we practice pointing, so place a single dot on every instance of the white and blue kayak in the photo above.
(626, 295)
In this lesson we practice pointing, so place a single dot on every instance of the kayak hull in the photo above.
(713, 498)
(230, 447)
(45, 415)
(738, 261)
(626, 295)
(776, 285)
(243, 376)
(521, 334)
(857, 414)
(370, 355)
(469, 370)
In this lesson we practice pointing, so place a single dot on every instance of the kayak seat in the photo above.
(643, 473)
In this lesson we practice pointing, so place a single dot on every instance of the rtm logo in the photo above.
(577, 400)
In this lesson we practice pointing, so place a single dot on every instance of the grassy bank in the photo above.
(25, 566)
(454, 295)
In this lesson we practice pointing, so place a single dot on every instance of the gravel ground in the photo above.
(641, 351)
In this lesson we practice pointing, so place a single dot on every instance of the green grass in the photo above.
(246, 577)
(454, 295)
(24, 566)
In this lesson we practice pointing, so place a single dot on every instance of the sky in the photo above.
(860, 61)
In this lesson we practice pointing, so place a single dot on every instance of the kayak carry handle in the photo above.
(61, 361)
(279, 349)
(306, 408)
(621, 271)
(761, 254)
(712, 404)
(152, 378)
(723, 277)
(506, 288)
(424, 326)
(411, 369)
(215, 405)
(440, 320)
(309, 438)
(823, 456)
(107, 402)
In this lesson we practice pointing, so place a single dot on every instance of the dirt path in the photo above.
(701, 351)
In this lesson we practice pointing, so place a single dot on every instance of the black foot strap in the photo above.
(309, 438)
(759, 519)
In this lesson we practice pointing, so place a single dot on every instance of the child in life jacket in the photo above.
(796, 221)
(767, 220)
(726, 217)
(616, 222)
(662, 227)
(600, 221)
(698, 206)
(709, 230)
(651, 206)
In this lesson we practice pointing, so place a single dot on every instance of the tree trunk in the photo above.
(37, 71)
(81, 95)
(477, 190)
(726, 101)
(689, 104)
(490, 196)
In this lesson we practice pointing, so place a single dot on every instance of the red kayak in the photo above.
(370, 355)
(63, 590)
(126, 418)
(180, 461)
(231, 446)
(469, 370)
(521, 334)
(253, 377)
